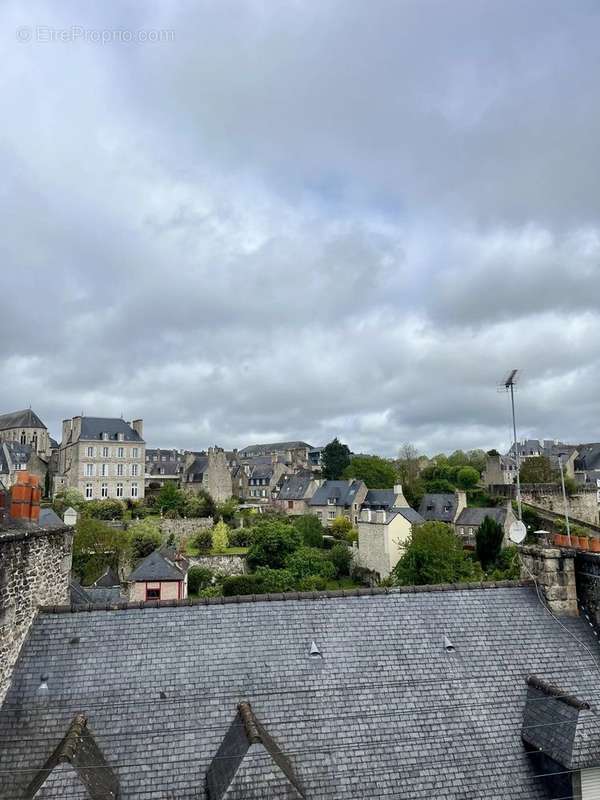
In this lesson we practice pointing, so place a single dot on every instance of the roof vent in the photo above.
(42, 690)
(448, 646)
(74, 640)
(163, 695)
(314, 650)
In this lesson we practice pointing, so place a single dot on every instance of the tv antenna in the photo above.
(508, 384)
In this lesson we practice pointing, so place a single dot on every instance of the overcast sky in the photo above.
(294, 219)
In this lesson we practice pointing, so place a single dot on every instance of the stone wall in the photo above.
(554, 571)
(587, 575)
(221, 565)
(35, 567)
(582, 506)
(184, 527)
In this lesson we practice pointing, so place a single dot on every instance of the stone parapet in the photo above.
(554, 572)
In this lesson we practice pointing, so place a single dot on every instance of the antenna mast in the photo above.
(509, 385)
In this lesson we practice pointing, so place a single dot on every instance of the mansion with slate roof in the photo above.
(102, 458)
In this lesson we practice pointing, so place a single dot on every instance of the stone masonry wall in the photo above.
(184, 527)
(35, 567)
(554, 571)
(221, 565)
(582, 506)
(587, 575)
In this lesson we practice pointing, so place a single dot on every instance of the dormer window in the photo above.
(120, 437)
(105, 436)
(331, 501)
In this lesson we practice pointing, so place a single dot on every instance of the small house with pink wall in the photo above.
(160, 576)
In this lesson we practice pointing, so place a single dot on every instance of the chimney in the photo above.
(461, 503)
(380, 517)
(66, 430)
(25, 496)
(76, 428)
(400, 501)
(138, 427)
(365, 515)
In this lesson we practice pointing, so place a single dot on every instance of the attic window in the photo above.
(314, 650)
(105, 436)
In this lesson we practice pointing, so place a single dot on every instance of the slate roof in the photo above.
(385, 710)
(108, 578)
(197, 468)
(342, 493)
(273, 447)
(94, 427)
(475, 516)
(588, 457)
(156, 567)
(440, 507)
(95, 595)
(50, 519)
(410, 514)
(18, 453)
(295, 487)
(21, 419)
(380, 498)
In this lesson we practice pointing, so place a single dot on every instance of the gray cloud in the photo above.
(304, 220)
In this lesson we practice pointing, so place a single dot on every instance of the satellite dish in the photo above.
(517, 532)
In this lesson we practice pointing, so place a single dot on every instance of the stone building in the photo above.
(162, 575)
(338, 498)
(163, 466)
(35, 565)
(444, 507)
(16, 457)
(209, 471)
(499, 470)
(382, 534)
(25, 427)
(293, 454)
(295, 492)
(102, 457)
(469, 520)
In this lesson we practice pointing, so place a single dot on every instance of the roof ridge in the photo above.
(374, 591)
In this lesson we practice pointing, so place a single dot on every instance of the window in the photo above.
(89, 491)
(104, 470)
(90, 452)
(119, 469)
(331, 514)
(134, 470)
(105, 436)
(104, 490)
(163, 458)
(161, 470)
(105, 452)
(23, 437)
(331, 501)
(319, 515)
(89, 470)
(134, 490)
(462, 531)
(263, 493)
(120, 452)
(34, 441)
(119, 490)
(290, 503)
(152, 594)
(120, 437)
(134, 452)
(470, 531)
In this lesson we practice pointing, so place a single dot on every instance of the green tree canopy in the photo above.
(467, 477)
(170, 498)
(310, 529)
(537, 469)
(434, 554)
(341, 527)
(488, 541)
(272, 542)
(144, 538)
(307, 561)
(334, 459)
(220, 537)
(97, 546)
(376, 472)
(69, 498)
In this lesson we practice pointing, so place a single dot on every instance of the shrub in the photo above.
(220, 537)
(341, 558)
(434, 554)
(198, 578)
(242, 584)
(272, 542)
(312, 583)
(341, 528)
(69, 498)
(467, 477)
(104, 509)
(227, 510)
(310, 528)
(507, 566)
(275, 580)
(144, 538)
(170, 499)
(309, 561)
(203, 540)
(240, 537)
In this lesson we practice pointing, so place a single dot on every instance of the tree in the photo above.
(458, 458)
(488, 541)
(439, 486)
(310, 529)
(341, 527)
(307, 561)
(341, 558)
(227, 510)
(537, 469)
(198, 578)
(467, 477)
(144, 538)
(200, 504)
(170, 498)
(97, 546)
(434, 554)
(376, 472)
(69, 498)
(334, 460)
(220, 537)
(408, 467)
(273, 542)
(104, 509)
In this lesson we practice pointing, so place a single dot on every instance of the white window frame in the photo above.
(89, 491)
(105, 452)
(331, 515)
(134, 490)
(104, 471)
(134, 452)
(104, 491)
(120, 452)
(120, 470)
(89, 470)
(134, 470)
(90, 452)
(119, 490)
